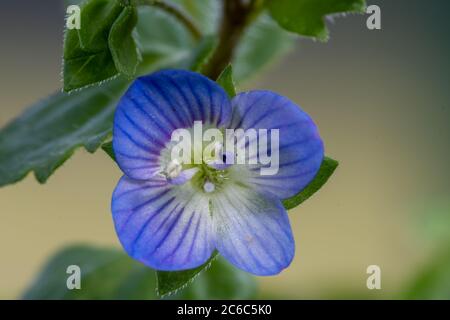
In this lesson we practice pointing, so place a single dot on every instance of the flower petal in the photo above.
(153, 107)
(300, 146)
(164, 227)
(252, 231)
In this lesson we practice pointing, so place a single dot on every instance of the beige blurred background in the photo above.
(380, 99)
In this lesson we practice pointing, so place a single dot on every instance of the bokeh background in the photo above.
(382, 102)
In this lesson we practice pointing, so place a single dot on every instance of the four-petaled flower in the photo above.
(172, 216)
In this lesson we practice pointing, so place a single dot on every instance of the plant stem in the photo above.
(177, 14)
(236, 16)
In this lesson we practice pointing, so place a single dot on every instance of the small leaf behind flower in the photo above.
(225, 80)
(306, 17)
(326, 170)
(108, 148)
(169, 282)
(221, 281)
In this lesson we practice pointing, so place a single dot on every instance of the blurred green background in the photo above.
(381, 101)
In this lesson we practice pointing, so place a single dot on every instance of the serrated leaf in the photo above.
(103, 47)
(121, 42)
(306, 17)
(46, 135)
(225, 80)
(326, 170)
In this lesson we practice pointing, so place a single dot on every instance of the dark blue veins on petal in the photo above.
(161, 227)
(300, 147)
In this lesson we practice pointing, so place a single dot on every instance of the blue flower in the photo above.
(172, 216)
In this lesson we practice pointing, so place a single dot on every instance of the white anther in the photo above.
(209, 187)
(173, 169)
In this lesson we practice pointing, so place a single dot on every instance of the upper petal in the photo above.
(153, 107)
(252, 230)
(300, 147)
(164, 227)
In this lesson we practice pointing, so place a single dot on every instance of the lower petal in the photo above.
(252, 231)
(165, 227)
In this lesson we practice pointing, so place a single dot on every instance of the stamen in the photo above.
(209, 187)
(173, 169)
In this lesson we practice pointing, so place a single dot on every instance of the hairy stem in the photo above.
(176, 13)
(236, 16)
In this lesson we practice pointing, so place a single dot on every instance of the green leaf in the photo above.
(83, 68)
(326, 170)
(108, 148)
(103, 47)
(121, 42)
(225, 80)
(169, 282)
(46, 135)
(105, 274)
(306, 17)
